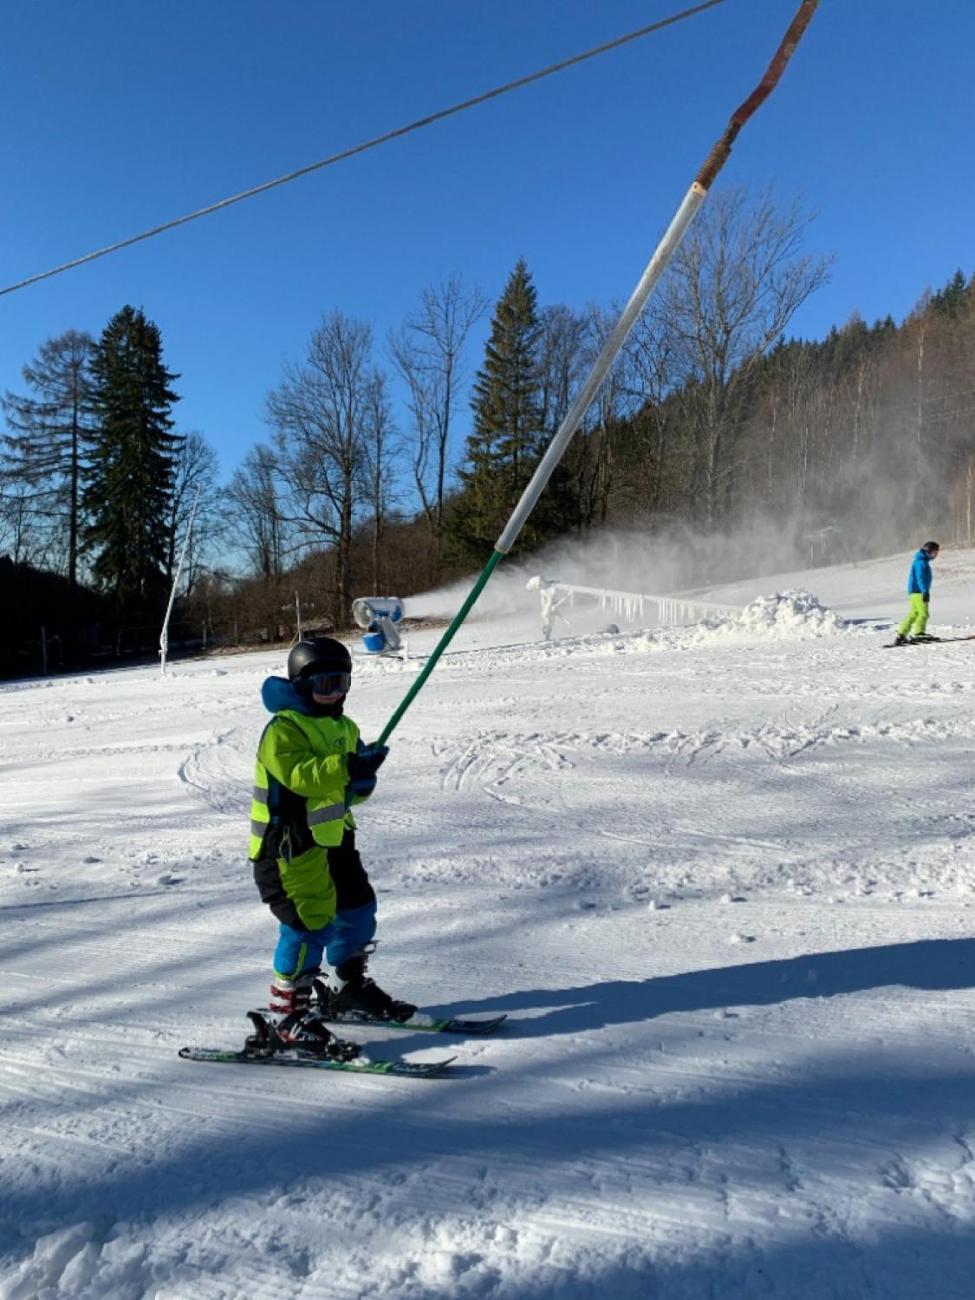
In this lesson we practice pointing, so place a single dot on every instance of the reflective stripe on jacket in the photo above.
(300, 782)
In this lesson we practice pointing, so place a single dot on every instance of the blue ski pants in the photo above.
(301, 950)
(353, 925)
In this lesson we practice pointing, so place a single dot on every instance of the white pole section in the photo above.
(665, 250)
(164, 634)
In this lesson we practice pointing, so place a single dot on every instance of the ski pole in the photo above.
(662, 255)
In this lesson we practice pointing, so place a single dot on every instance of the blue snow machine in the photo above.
(378, 616)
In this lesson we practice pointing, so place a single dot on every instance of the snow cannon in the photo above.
(553, 594)
(378, 616)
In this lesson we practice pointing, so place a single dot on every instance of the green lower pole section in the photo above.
(442, 644)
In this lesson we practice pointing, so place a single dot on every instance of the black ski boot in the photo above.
(300, 1031)
(351, 992)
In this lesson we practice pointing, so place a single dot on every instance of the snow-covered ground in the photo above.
(722, 879)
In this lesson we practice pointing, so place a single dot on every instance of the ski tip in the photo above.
(411, 1069)
(486, 1025)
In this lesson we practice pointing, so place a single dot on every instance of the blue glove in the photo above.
(364, 764)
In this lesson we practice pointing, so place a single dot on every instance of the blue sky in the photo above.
(119, 116)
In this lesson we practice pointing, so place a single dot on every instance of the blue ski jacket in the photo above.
(919, 578)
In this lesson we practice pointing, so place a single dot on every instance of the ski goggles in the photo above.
(327, 684)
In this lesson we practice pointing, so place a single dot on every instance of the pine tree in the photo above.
(950, 300)
(506, 442)
(134, 451)
(48, 442)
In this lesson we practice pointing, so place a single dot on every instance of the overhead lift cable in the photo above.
(396, 134)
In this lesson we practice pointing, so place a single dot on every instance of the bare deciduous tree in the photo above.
(733, 286)
(20, 539)
(253, 492)
(651, 375)
(428, 354)
(194, 482)
(47, 446)
(613, 403)
(378, 467)
(561, 356)
(319, 414)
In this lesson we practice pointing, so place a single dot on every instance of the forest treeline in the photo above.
(390, 466)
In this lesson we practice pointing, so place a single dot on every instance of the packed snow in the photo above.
(721, 878)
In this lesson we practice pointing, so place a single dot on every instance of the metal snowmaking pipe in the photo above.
(164, 634)
(663, 253)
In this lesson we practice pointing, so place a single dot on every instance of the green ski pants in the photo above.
(917, 619)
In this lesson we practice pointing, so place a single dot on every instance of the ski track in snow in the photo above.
(217, 769)
(720, 879)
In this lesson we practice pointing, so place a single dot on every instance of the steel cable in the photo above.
(374, 143)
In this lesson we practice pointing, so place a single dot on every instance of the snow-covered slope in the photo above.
(722, 880)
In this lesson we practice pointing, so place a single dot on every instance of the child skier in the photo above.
(311, 768)
(919, 589)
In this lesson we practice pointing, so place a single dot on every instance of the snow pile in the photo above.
(795, 613)
(791, 615)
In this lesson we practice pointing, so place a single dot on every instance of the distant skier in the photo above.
(311, 768)
(919, 589)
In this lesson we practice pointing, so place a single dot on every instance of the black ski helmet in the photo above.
(318, 654)
(931, 547)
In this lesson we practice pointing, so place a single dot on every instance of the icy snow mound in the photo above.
(795, 613)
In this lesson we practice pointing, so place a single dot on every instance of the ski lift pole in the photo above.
(663, 253)
(164, 634)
